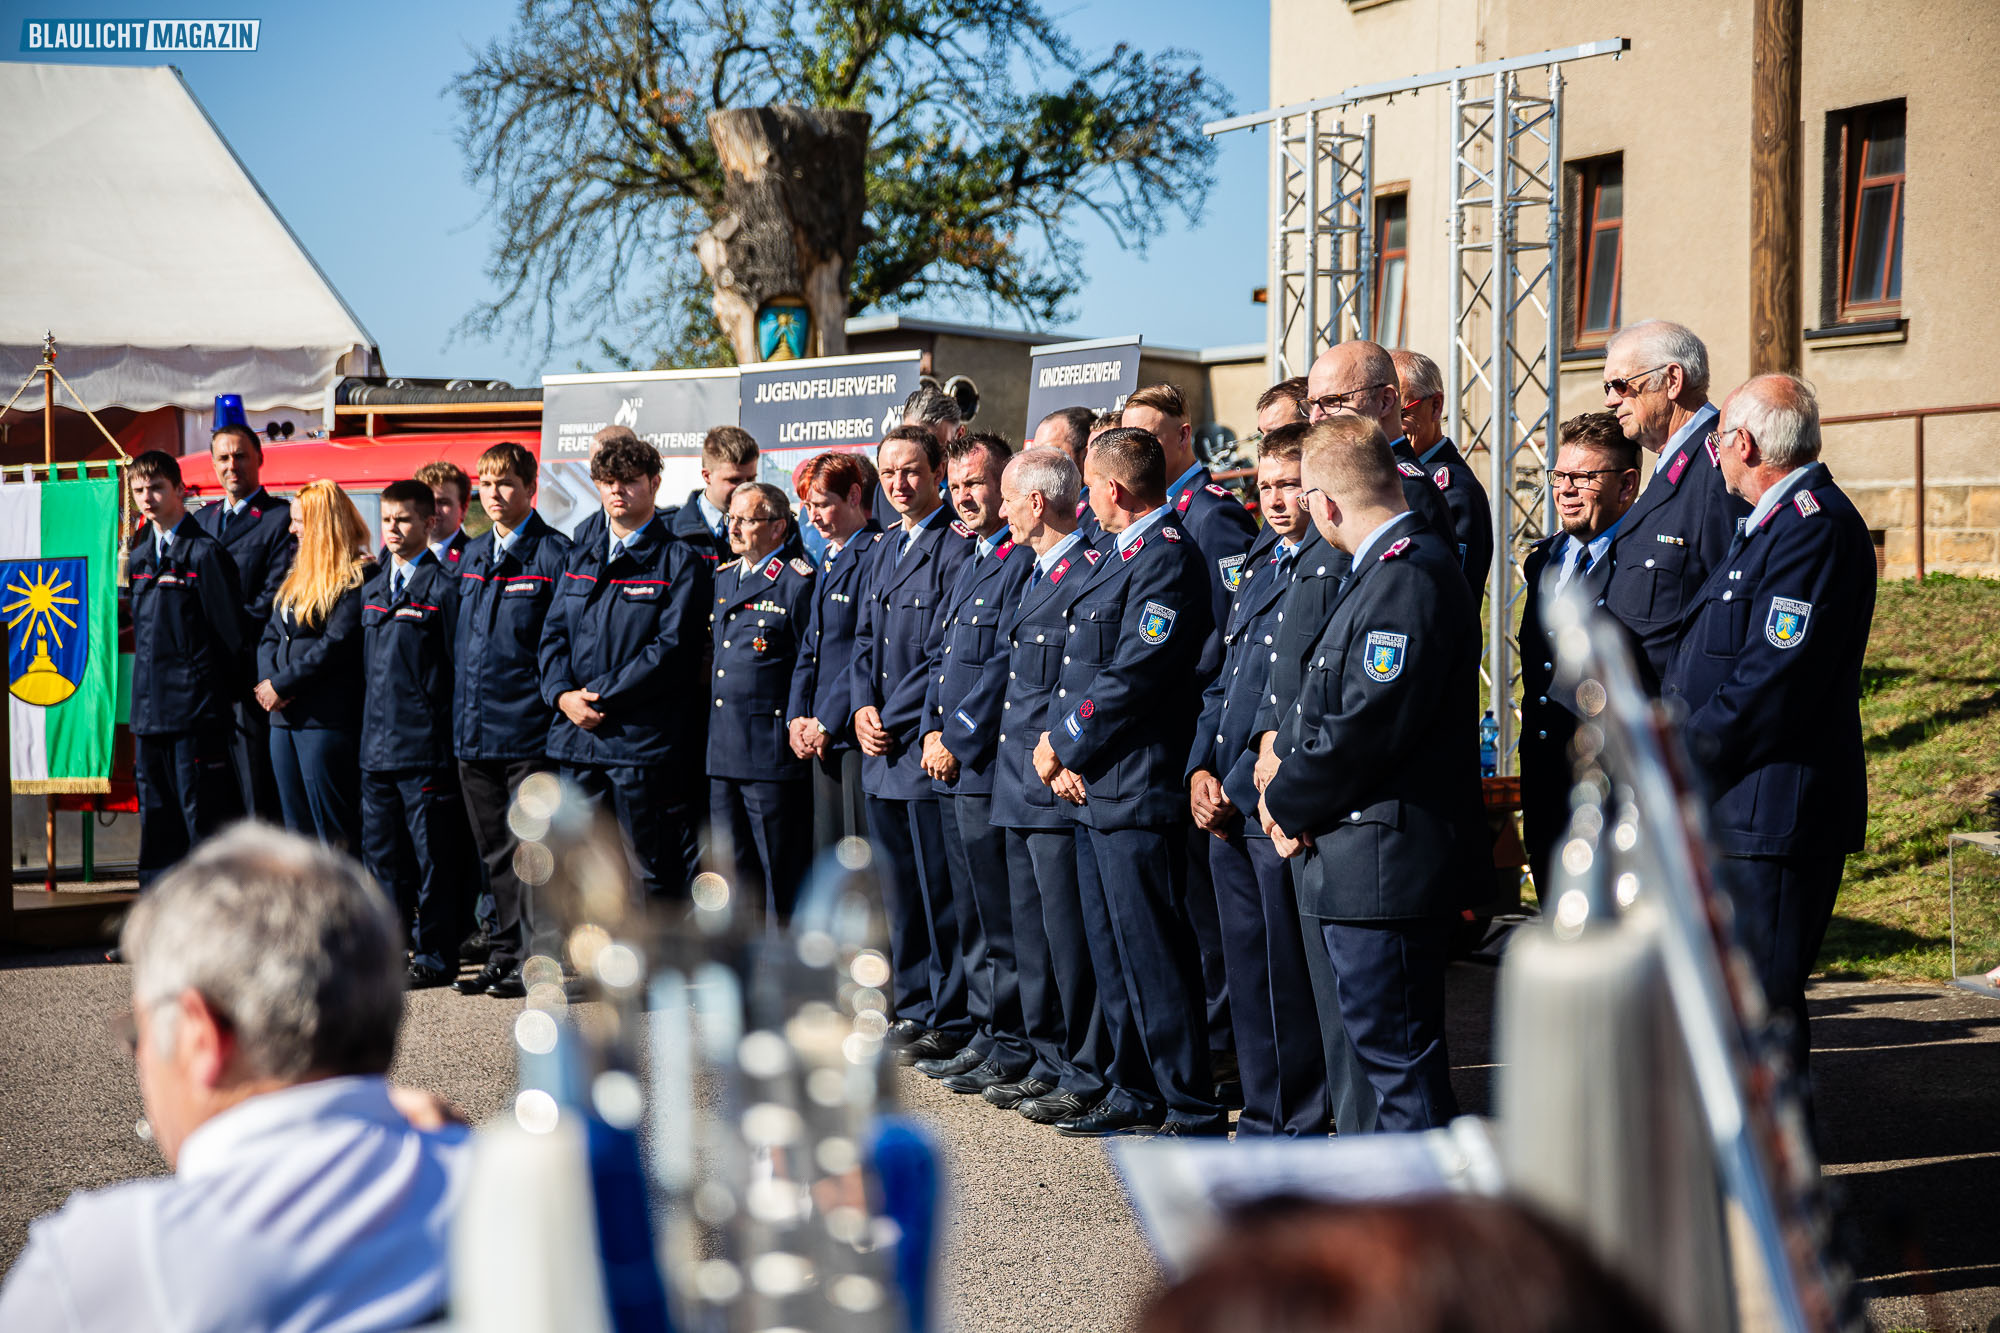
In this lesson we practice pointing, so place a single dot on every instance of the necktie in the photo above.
(617, 549)
(160, 549)
(398, 581)
(222, 527)
(1286, 559)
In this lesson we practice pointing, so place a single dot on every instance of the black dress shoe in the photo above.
(476, 948)
(961, 1062)
(904, 1031)
(1105, 1122)
(1193, 1129)
(477, 983)
(931, 1045)
(510, 986)
(1007, 1096)
(420, 977)
(979, 1078)
(1051, 1108)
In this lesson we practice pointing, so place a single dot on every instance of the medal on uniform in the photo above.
(759, 643)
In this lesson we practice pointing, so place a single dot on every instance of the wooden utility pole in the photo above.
(1776, 312)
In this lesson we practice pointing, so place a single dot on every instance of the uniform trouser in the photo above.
(187, 790)
(649, 801)
(413, 842)
(978, 855)
(1783, 905)
(1200, 906)
(250, 755)
(1059, 1014)
(1348, 1091)
(488, 786)
(763, 821)
(318, 772)
(1140, 869)
(840, 810)
(1278, 1052)
(923, 924)
(1390, 975)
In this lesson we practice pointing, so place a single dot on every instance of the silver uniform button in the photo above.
(1274, 656)
(1726, 596)
(1038, 638)
(1649, 564)
(1062, 694)
(1354, 817)
(718, 671)
(718, 703)
(1003, 735)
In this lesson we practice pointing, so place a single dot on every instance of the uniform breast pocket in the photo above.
(1726, 624)
(1096, 636)
(1664, 565)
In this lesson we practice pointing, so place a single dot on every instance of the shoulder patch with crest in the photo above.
(1805, 504)
(1214, 489)
(1442, 478)
(958, 526)
(803, 566)
(775, 567)
(1156, 622)
(1396, 548)
(1382, 654)
(1232, 571)
(1092, 554)
(1409, 469)
(1785, 626)
(1170, 534)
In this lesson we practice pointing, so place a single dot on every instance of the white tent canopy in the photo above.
(131, 229)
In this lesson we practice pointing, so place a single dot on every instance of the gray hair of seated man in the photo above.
(291, 943)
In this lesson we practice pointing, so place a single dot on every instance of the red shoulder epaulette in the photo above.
(1214, 489)
(1805, 503)
(1400, 545)
(1409, 469)
(959, 527)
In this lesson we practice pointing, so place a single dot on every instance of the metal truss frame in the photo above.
(1322, 240)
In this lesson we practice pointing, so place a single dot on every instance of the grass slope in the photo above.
(1930, 716)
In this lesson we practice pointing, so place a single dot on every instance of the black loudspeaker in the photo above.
(965, 393)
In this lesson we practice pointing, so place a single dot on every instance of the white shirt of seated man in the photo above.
(307, 1194)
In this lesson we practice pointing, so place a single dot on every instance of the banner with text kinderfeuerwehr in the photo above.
(1099, 374)
(59, 601)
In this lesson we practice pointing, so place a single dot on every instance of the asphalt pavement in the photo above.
(1040, 1238)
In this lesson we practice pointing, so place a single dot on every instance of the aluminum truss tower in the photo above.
(1505, 241)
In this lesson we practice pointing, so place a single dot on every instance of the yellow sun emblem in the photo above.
(37, 612)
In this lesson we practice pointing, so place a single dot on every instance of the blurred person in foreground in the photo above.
(309, 669)
(267, 989)
(1438, 1265)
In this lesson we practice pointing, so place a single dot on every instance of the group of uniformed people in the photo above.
(1173, 811)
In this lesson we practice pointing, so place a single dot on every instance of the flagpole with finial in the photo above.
(48, 369)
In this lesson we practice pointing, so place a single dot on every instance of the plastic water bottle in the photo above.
(1489, 745)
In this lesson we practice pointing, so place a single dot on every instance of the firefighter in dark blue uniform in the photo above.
(728, 459)
(255, 528)
(1422, 390)
(1062, 931)
(1278, 1053)
(1358, 378)
(759, 793)
(1769, 671)
(1377, 785)
(835, 489)
(909, 574)
(188, 639)
(1656, 380)
(1115, 752)
(412, 824)
(1068, 429)
(961, 728)
(507, 582)
(621, 655)
(1595, 479)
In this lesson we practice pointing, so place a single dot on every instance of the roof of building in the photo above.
(862, 324)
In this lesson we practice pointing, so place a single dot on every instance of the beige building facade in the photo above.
(1901, 210)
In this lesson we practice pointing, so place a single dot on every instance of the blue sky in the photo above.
(341, 116)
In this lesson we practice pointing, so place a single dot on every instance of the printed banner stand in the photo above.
(1099, 374)
(669, 409)
(796, 409)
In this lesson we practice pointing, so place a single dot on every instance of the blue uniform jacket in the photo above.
(968, 672)
(687, 522)
(1087, 525)
(1769, 668)
(188, 633)
(406, 660)
(317, 667)
(1547, 724)
(1677, 531)
(1035, 633)
(1303, 614)
(1380, 757)
(890, 668)
(503, 602)
(1229, 707)
(757, 624)
(1224, 530)
(819, 680)
(1127, 696)
(261, 545)
(1471, 515)
(633, 630)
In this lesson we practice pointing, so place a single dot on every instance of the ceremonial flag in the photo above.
(59, 602)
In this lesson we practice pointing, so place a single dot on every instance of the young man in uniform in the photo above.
(909, 573)
(758, 793)
(500, 724)
(962, 718)
(255, 528)
(621, 655)
(1115, 752)
(836, 490)
(188, 641)
(452, 490)
(412, 825)
(728, 460)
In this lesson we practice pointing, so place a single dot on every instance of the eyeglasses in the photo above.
(1305, 498)
(1625, 388)
(1583, 481)
(1341, 402)
(738, 521)
(1416, 403)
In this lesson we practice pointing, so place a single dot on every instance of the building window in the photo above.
(1869, 144)
(1392, 263)
(1598, 249)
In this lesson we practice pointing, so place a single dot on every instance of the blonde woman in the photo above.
(309, 669)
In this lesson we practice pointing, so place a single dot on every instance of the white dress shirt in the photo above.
(314, 1208)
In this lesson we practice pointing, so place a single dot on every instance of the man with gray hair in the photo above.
(1769, 671)
(1656, 381)
(267, 989)
(1422, 389)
